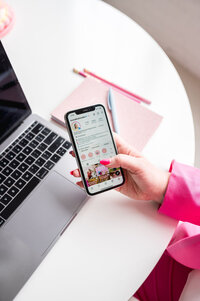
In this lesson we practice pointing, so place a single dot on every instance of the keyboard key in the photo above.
(6, 199)
(40, 161)
(36, 153)
(3, 189)
(29, 136)
(1, 207)
(17, 149)
(8, 149)
(42, 147)
(27, 150)
(9, 182)
(20, 183)
(16, 174)
(67, 144)
(4, 162)
(41, 173)
(46, 131)
(13, 191)
(29, 160)
(37, 128)
(55, 158)
(10, 156)
(21, 136)
(7, 171)
(14, 164)
(23, 142)
(2, 154)
(61, 151)
(1, 221)
(46, 155)
(34, 168)
(34, 144)
(55, 145)
(26, 131)
(27, 176)
(40, 138)
(33, 124)
(49, 165)
(19, 198)
(23, 167)
(50, 138)
(2, 178)
(20, 157)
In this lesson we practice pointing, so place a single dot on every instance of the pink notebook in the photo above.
(137, 123)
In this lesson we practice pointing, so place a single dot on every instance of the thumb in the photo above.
(125, 161)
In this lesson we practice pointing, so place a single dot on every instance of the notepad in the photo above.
(137, 123)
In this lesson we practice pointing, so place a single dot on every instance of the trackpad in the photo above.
(47, 211)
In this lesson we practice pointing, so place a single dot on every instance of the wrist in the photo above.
(164, 185)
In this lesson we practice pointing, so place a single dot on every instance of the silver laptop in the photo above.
(37, 201)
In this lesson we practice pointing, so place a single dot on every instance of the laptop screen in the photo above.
(14, 107)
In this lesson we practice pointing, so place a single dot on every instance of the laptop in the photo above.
(37, 199)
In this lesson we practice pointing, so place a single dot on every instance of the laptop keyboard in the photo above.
(25, 163)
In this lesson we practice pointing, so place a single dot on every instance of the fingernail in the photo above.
(71, 152)
(105, 162)
(71, 172)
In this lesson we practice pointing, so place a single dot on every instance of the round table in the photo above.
(114, 242)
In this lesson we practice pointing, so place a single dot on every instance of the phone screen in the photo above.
(93, 141)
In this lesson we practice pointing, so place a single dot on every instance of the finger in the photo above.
(124, 148)
(76, 173)
(72, 153)
(125, 161)
(80, 184)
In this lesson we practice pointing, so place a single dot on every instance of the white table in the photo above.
(114, 242)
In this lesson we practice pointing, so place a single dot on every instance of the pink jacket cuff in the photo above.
(182, 198)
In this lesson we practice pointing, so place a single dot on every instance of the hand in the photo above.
(143, 181)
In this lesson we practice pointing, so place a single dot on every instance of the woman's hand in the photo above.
(143, 181)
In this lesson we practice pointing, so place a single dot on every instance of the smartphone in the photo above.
(92, 141)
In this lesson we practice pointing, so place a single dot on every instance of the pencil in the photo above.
(79, 72)
(118, 87)
(115, 88)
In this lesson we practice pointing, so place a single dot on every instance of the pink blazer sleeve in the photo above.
(182, 198)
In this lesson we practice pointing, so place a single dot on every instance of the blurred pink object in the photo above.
(6, 19)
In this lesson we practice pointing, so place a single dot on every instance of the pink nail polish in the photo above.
(71, 172)
(105, 161)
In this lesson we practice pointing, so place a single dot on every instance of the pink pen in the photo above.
(118, 87)
(114, 88)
